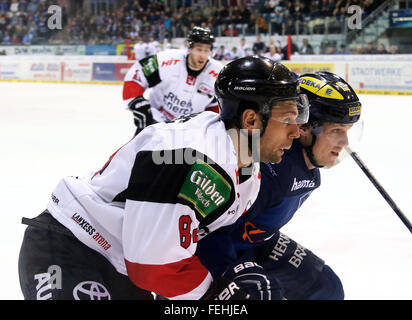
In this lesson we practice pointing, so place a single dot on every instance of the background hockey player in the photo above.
(181, 82)
(133, 226)
(334, 110)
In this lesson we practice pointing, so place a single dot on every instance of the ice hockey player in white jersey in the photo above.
(141, 49)
(132, 227)
(181, 82)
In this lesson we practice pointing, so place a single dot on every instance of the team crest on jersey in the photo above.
(190, 80)
(150, 65)
(205, 188)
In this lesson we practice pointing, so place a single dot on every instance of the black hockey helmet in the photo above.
(200, 35)
(331, 98)
(254, 81)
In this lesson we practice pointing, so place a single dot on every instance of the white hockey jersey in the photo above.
(141, 50)
(155, 198)
(174, 92)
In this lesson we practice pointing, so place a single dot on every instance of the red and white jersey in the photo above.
(155, 198)
(174, 92)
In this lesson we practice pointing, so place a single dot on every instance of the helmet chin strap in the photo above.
(309, 152)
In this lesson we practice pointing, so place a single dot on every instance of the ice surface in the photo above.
(48, 131)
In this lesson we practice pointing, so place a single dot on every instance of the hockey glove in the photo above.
(141, 112)
(247, 281)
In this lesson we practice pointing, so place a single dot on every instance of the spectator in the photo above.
(306, 48)
(14, 7)
(393, 49)
(244, 49)
(330, 50)
(342, 50)
(6, 39)
(234, 54)
(277, 21)
(370, 49)
(259, 46)
(359, 49)
(382, 49)
(290, 27)
(28, 38)
(242, 18)
(261, 24)
(4, 6)
(221, 54)
(266, 12)
(294, 50)
(273, 54)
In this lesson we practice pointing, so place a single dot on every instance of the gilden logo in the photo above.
(207, 188)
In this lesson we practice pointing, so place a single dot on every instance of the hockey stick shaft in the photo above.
(379, 187)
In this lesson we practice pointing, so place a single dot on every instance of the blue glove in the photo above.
(248, 281)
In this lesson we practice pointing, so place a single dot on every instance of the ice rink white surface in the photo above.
(48, 131)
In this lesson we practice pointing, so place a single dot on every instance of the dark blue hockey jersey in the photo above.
(284, 187)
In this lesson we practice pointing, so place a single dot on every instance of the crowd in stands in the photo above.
(275, 51)
(25, 22)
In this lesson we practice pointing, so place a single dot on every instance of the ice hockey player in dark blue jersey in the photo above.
(334, 110)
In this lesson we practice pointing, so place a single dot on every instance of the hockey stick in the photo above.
(378, 186)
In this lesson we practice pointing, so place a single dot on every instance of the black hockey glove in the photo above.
(141, 112)
(247, 281)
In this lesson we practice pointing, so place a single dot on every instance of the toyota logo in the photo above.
(90, 290)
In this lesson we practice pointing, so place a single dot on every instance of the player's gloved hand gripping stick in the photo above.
(141, 112)
(378, 186)
(245, 281)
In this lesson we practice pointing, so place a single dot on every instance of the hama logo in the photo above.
(302, 184)
(205, 188)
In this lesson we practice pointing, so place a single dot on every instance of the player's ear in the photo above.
(250, 120)
(304, 130)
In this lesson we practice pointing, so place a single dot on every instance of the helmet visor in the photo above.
(294, 110)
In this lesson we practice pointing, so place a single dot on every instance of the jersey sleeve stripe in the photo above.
(169, 280)
(213, 108)
(132, 90)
